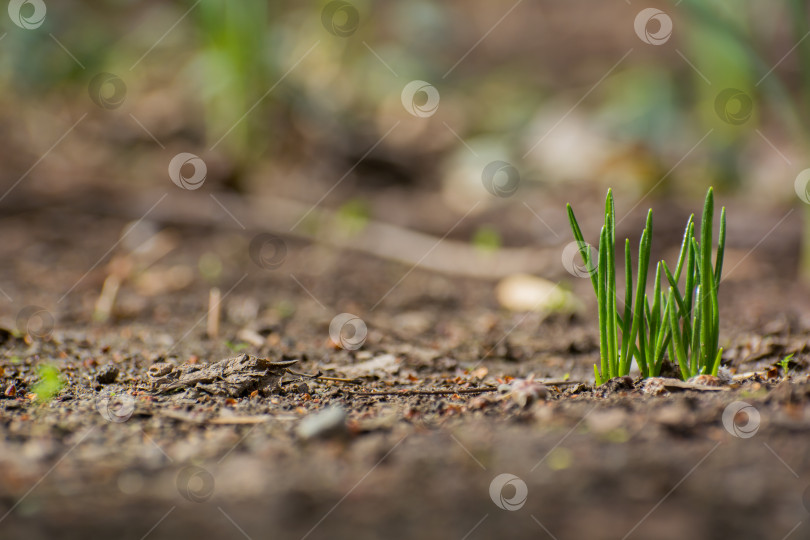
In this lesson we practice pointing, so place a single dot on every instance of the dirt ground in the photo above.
(112, 457)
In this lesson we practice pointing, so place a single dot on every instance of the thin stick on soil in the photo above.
(320, 377)
(425, 392)
(212, 325)
(445, 392)
(106, 300)
(391, 242)
(559, 382)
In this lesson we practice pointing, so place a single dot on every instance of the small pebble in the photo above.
(107, 374)
(11, 390)
(706, 380)
(522, 292)
(526, 391)
(654, 386)
(326, 423)
(160, 369)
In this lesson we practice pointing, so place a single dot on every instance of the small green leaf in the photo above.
(49, 383)
(487, 239)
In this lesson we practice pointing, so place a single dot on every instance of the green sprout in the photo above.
(694, 317)
(49, 383)
(616, 351)
(685, 325)
(784, 363)
(654, 333)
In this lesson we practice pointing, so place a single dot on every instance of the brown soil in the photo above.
(611, 462)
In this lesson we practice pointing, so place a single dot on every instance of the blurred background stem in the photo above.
(790, 109)
(238, 68)
(801, 29)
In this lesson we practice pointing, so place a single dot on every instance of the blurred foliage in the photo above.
(49, 384)
(353, 216)
(487, 239)
(291, 84)
(209, 266)
(237, 69)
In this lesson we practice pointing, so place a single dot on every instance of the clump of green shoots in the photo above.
(618, 328)
(694, 317)
(684, 324)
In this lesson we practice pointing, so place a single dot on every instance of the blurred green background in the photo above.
(300, 99)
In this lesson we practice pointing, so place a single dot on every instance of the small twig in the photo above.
(106, 300)
(425, 392)
(380, 239)
(212, 325)
(558, 382)
(320, 377)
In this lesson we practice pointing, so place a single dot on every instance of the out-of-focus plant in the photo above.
(49, 383)
(714, 24)
(238, 70)
(353, 216)
(487, 239)
(784, 363)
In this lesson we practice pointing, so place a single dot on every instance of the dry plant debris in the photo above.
(233, 377)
